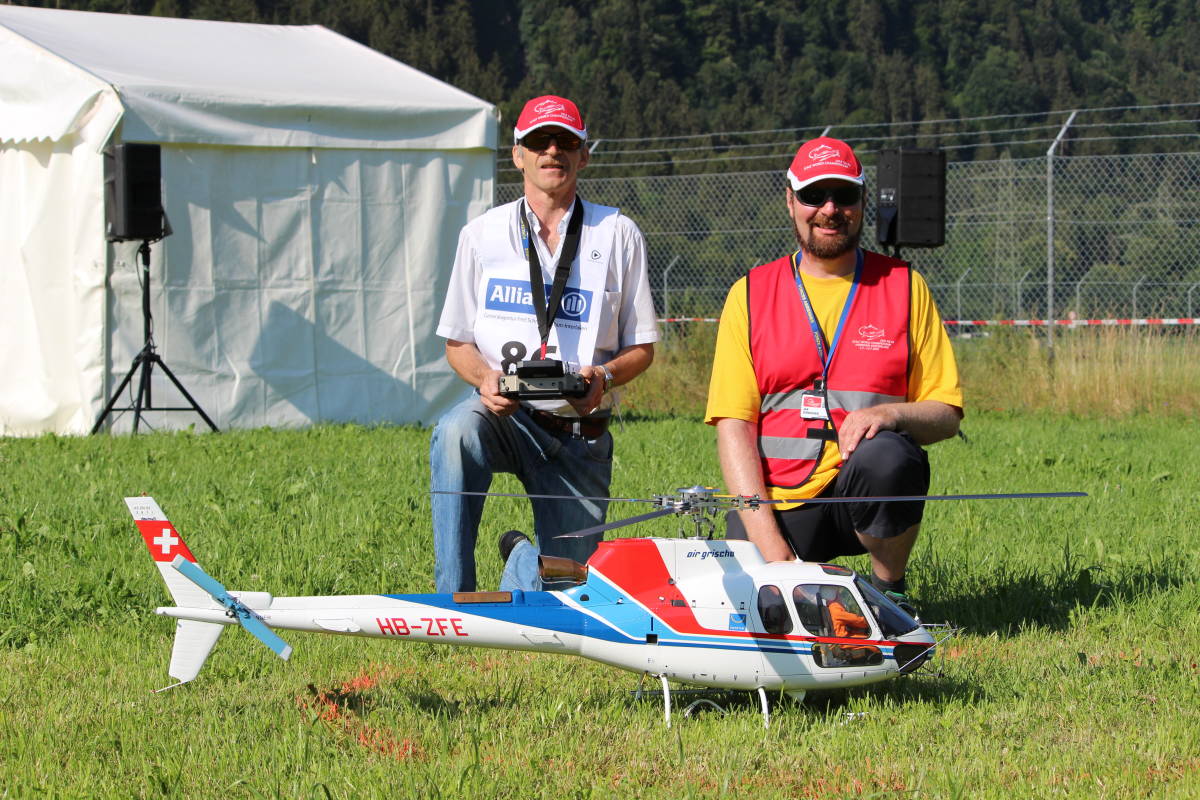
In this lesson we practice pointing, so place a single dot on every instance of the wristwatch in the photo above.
(608, 377)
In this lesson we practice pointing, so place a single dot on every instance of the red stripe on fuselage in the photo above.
(636, 566)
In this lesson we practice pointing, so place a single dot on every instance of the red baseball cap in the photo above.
(821, 158)
(547, 110)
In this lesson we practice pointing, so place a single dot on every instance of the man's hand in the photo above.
(864, 424)
(595, 382)
(926, 421)
(489, 393)
(465, 359)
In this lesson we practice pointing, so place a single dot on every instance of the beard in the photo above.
(828, 247)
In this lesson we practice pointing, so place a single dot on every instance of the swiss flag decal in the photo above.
(163, 542)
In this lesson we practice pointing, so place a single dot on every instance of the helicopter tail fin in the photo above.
(164, 544)
(197, 594)
(194, 639)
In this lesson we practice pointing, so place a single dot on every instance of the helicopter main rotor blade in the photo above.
(913, 497)
(813, 500)
(620, 523)
(548, 496)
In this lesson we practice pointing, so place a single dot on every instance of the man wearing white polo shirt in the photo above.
(508, 302)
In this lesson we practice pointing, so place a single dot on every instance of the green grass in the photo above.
(1076, 675)
(1100, 372)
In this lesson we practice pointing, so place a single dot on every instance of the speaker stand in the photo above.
(145, 361)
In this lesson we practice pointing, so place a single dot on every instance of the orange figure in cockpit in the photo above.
(846, 623)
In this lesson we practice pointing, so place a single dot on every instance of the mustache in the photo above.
(835, 220)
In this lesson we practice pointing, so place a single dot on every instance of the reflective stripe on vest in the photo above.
(848, 400)
(870, 366)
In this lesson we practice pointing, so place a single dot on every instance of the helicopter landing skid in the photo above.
(704, 699)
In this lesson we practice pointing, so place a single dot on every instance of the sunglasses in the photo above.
(539, 141)
(816, 196)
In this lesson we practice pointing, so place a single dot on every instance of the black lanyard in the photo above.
(570, 246)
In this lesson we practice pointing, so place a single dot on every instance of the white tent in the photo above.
(315, 188)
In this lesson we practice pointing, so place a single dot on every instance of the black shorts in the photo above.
(889, 464)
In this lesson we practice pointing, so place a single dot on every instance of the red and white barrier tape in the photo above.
(1074, 323)
(1020, 323)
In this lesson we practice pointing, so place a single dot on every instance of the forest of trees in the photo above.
(643, 68)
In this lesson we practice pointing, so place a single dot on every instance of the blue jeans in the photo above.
(469, 445)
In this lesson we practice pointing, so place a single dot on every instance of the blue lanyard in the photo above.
(825, 353)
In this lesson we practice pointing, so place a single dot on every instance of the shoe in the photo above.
(901, 599)
(508, 541)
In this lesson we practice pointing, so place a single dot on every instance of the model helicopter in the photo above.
(699, 611)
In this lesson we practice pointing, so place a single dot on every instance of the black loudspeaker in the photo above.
(910, 201)
(133, 192)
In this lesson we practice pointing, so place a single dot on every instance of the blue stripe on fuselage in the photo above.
(616, 619)
(536, 609)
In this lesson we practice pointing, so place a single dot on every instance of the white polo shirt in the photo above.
(610, 270)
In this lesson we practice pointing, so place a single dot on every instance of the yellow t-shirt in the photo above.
(733, 388)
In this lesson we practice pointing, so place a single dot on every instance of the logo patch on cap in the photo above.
(549, 107)
(822, 153)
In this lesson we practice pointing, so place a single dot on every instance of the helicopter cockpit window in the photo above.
(805, 597)
(846, 618)
(893, 621)
(840, 616)
(773, 610)
(830, 610)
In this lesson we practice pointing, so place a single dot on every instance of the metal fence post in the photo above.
(667, 293)
(1135, 291)
(1078, 290)
(958, 293)
(1190, 314)
(1019, 300)
(1050, 232)
(667, 287)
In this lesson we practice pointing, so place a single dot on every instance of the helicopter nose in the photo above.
(912, 656)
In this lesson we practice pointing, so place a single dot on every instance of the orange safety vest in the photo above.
(869, 365)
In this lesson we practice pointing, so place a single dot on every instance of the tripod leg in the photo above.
(148, 359)
(112, 399)
(184, 392)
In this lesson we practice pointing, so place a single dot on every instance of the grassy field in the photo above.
(1076, 675)
(1107, 373)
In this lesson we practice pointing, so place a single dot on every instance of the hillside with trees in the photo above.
(642, 68)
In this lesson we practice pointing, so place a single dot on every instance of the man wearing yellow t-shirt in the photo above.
(832, 370)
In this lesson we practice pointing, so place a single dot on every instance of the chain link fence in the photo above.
(1061, 237)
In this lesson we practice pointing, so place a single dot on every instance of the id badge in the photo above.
(812, 405)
